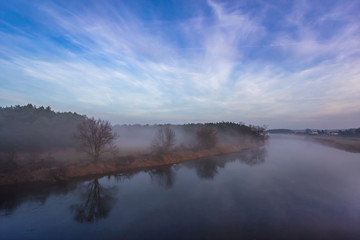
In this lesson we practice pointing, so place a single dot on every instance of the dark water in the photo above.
(291, 189)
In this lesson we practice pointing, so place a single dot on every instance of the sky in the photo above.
(284, 64)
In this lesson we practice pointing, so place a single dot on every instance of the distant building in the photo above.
(334, 133)
(314, 133)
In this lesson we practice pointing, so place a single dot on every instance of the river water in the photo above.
(290, 189)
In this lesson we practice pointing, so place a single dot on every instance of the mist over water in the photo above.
(211, 119)
(290, 189)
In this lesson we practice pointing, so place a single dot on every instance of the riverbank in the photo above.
(343, 143)
(61, 170)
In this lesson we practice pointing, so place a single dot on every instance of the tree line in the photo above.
(30, 128)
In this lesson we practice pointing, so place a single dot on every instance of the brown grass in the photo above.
(343, 143)
(67, 164)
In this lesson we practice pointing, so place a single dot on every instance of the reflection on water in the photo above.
(13, 196)
(207, 168)
(121, 177)
(163, 175)
(97, 200)
(96, 203)
(290, 189)
(253, 157)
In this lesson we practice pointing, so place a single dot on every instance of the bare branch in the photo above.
(95, 136)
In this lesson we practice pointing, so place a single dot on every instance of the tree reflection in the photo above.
(253, 157)
(164, 176)
(121, 177)
(97, 203)
(15, 195)
(208, 168)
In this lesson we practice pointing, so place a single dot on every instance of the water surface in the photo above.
(290, 189)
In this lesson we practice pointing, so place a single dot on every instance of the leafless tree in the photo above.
(95, 137)
(164, 141)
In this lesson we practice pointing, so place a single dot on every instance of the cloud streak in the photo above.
(222, 62)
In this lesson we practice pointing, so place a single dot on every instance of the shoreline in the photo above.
(342, 143)
(62, 172)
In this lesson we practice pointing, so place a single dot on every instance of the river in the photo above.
(290, 189)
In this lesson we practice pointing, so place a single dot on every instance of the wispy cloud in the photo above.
(222, 63)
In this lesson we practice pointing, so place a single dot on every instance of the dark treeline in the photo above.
(232, 129)
(186, 137)
(39, 129)
(38, 144)
(226, 132)
(31, 128)
(281, 131)
(351, 132)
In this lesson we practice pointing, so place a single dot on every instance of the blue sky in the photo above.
(292, 64)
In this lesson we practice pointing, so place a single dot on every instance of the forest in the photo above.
(33, 138)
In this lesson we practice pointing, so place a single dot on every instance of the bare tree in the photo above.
(95, 137)
(207, 137)
(164, 141)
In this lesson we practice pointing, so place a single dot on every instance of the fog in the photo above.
(139, 138)
(38, 129)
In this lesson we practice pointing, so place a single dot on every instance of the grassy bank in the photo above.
(343, 143)
(68, 164)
